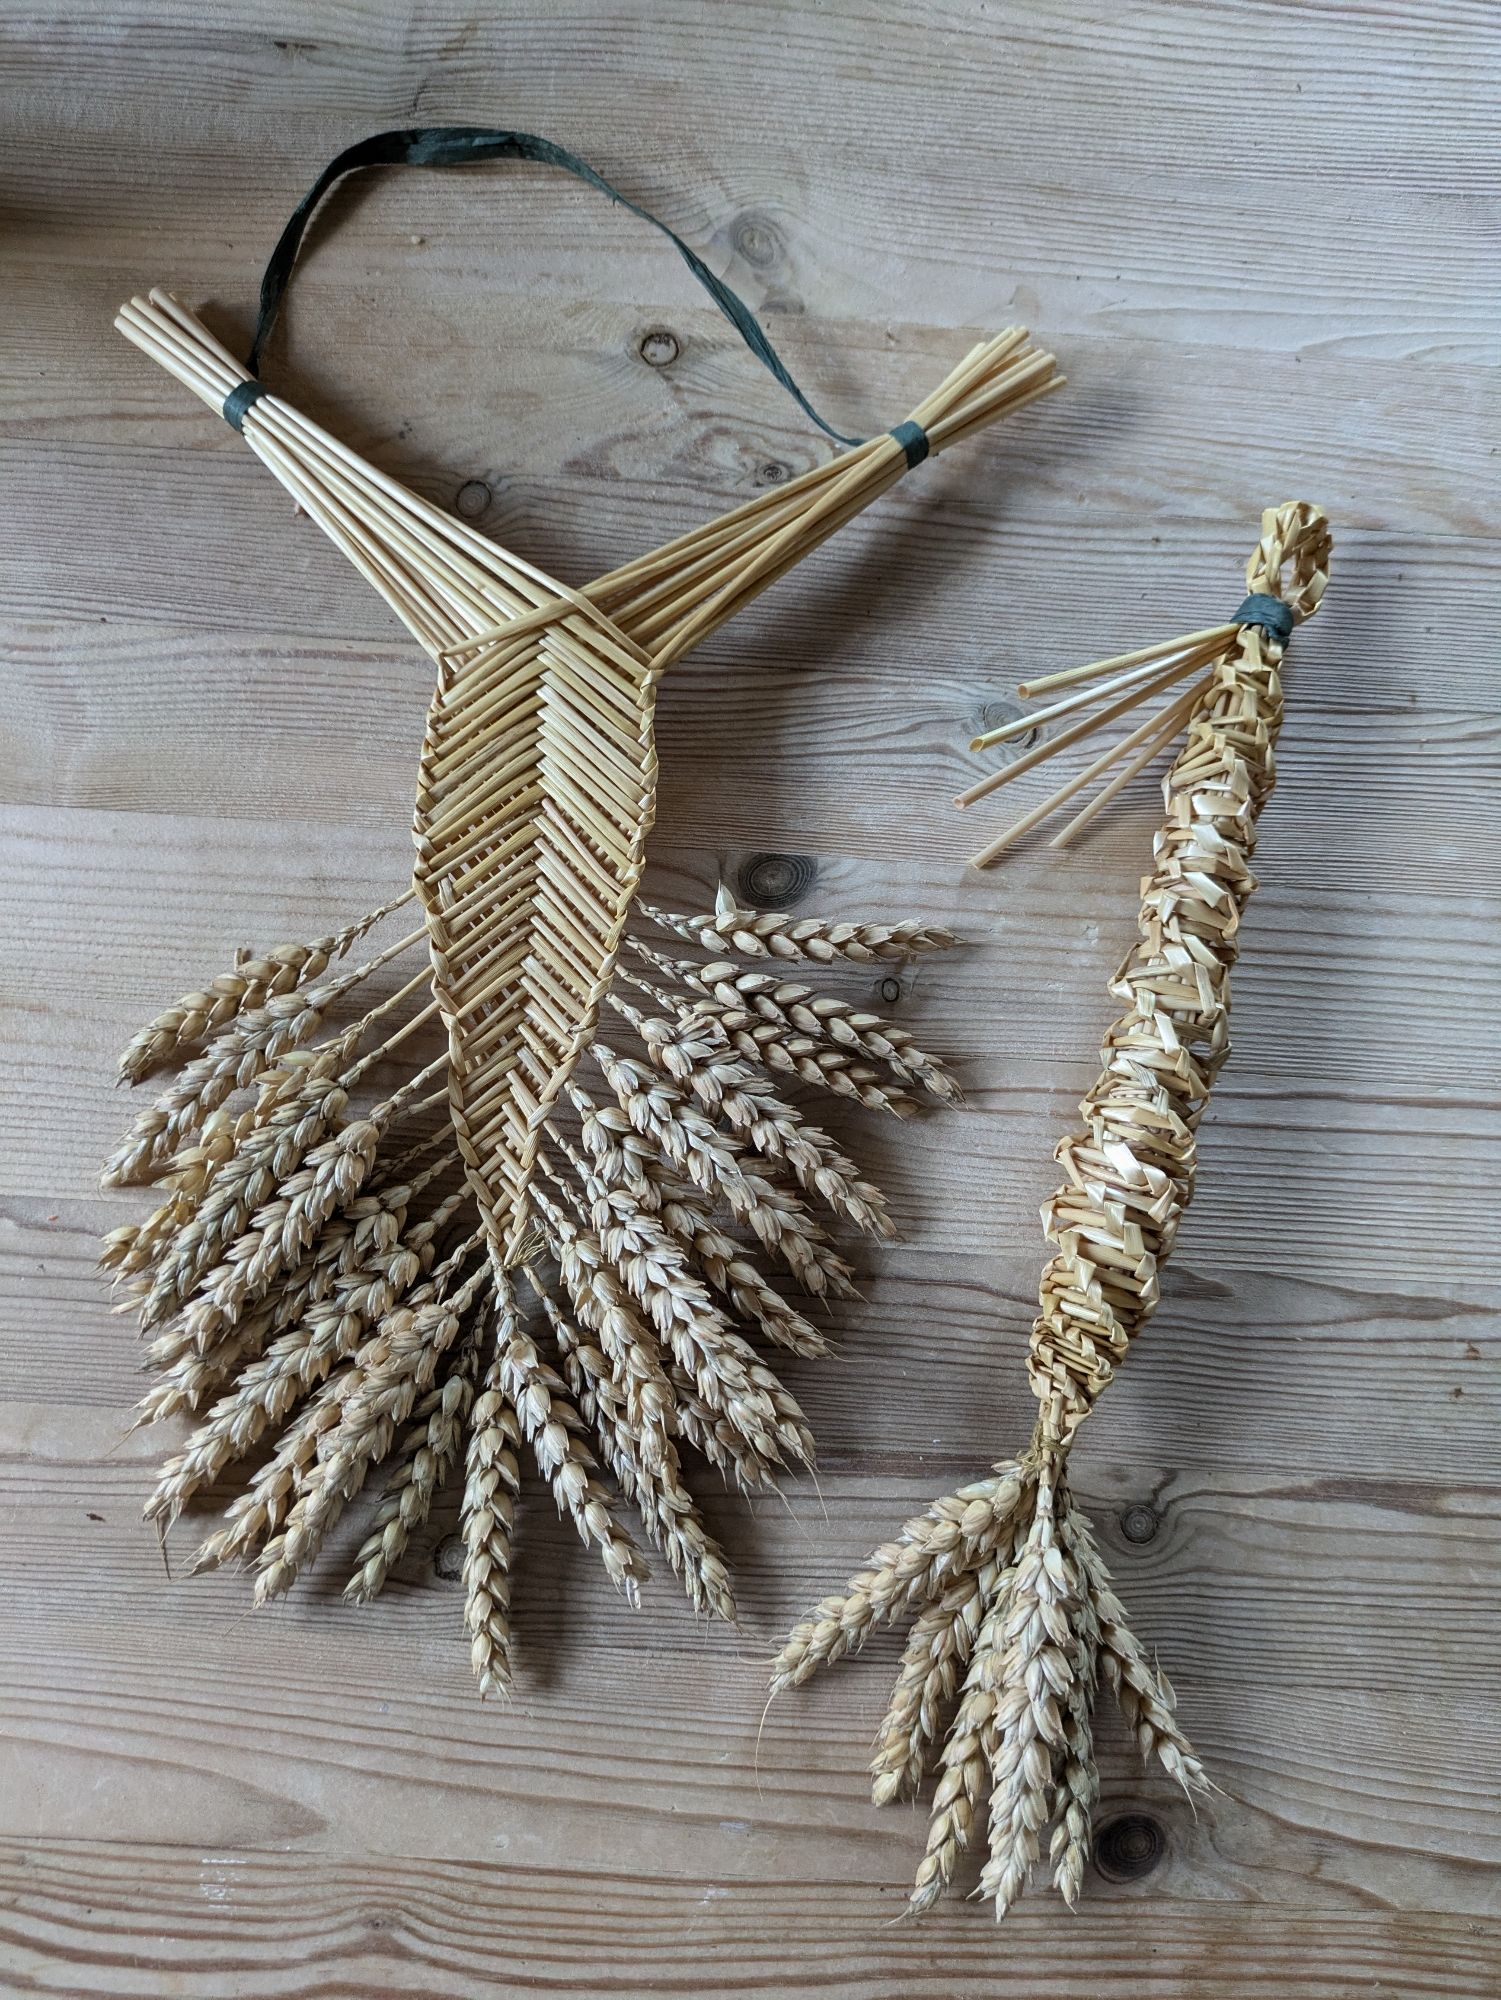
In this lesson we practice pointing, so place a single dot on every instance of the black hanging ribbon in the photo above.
(466, 145)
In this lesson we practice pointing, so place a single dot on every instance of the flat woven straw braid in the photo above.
(1015, 1622)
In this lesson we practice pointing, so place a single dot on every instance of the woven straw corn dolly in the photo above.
(1014, 1612)
(343, 1286)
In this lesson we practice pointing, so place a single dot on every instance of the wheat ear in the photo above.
(697, 1052)
(774, 934)
(424, 1459)
(654, 1484)
(255, 1042)
(185, 1024)
(814, 1036)
(492, 1482)
(554, 1430)
(715, 1162)
(375, 1398)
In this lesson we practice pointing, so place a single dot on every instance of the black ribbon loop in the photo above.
(468, 145)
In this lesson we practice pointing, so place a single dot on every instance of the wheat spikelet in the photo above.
(553, 1429)
(629, 1165)
(725, 1370)
(1050, 1628)
(492, 1481)
(620, 1152)
(716, 1437)
(1034, 1673)
(1078, 1779)
(136, 1247)
(700, 1056)
(1142, 1691)
(964, 1767)
(367, 1225)
(188, 1376)
(267, 1156)
(255, 1042)
(426, 1455)
(375, 1398)
(352, 1285)
(280, 1230)
(726, 1269)
(254, 981)
(785, 1053)
(600, 1296)
(393, 1347)
(715, 1162)
(936, 1655)
(952, 1535)
(654, 1485)
(815, 1036)
(260, 1510)
(774, 934)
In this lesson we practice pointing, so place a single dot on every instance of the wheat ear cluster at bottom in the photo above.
(321, 1297)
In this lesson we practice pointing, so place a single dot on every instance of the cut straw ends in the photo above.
(1125, 681)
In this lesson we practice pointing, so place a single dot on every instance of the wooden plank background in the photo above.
(1262, 239)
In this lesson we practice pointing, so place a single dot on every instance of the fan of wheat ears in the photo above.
(1014, 1610)
(512, 1248)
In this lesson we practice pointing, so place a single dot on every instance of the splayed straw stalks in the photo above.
(1121, 684)
(1015, 1624)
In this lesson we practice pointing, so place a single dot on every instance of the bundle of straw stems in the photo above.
(506, 1253)
(1016, 1624)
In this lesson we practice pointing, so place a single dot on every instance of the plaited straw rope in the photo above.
(1131, 1169)
(315, 1288)
(1015, 1610)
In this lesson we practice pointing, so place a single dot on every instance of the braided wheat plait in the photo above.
(1015, 1609)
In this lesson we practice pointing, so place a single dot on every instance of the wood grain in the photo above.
(1257, 237)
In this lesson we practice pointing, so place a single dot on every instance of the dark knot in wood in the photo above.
(1128, 1847)
(775, 881)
